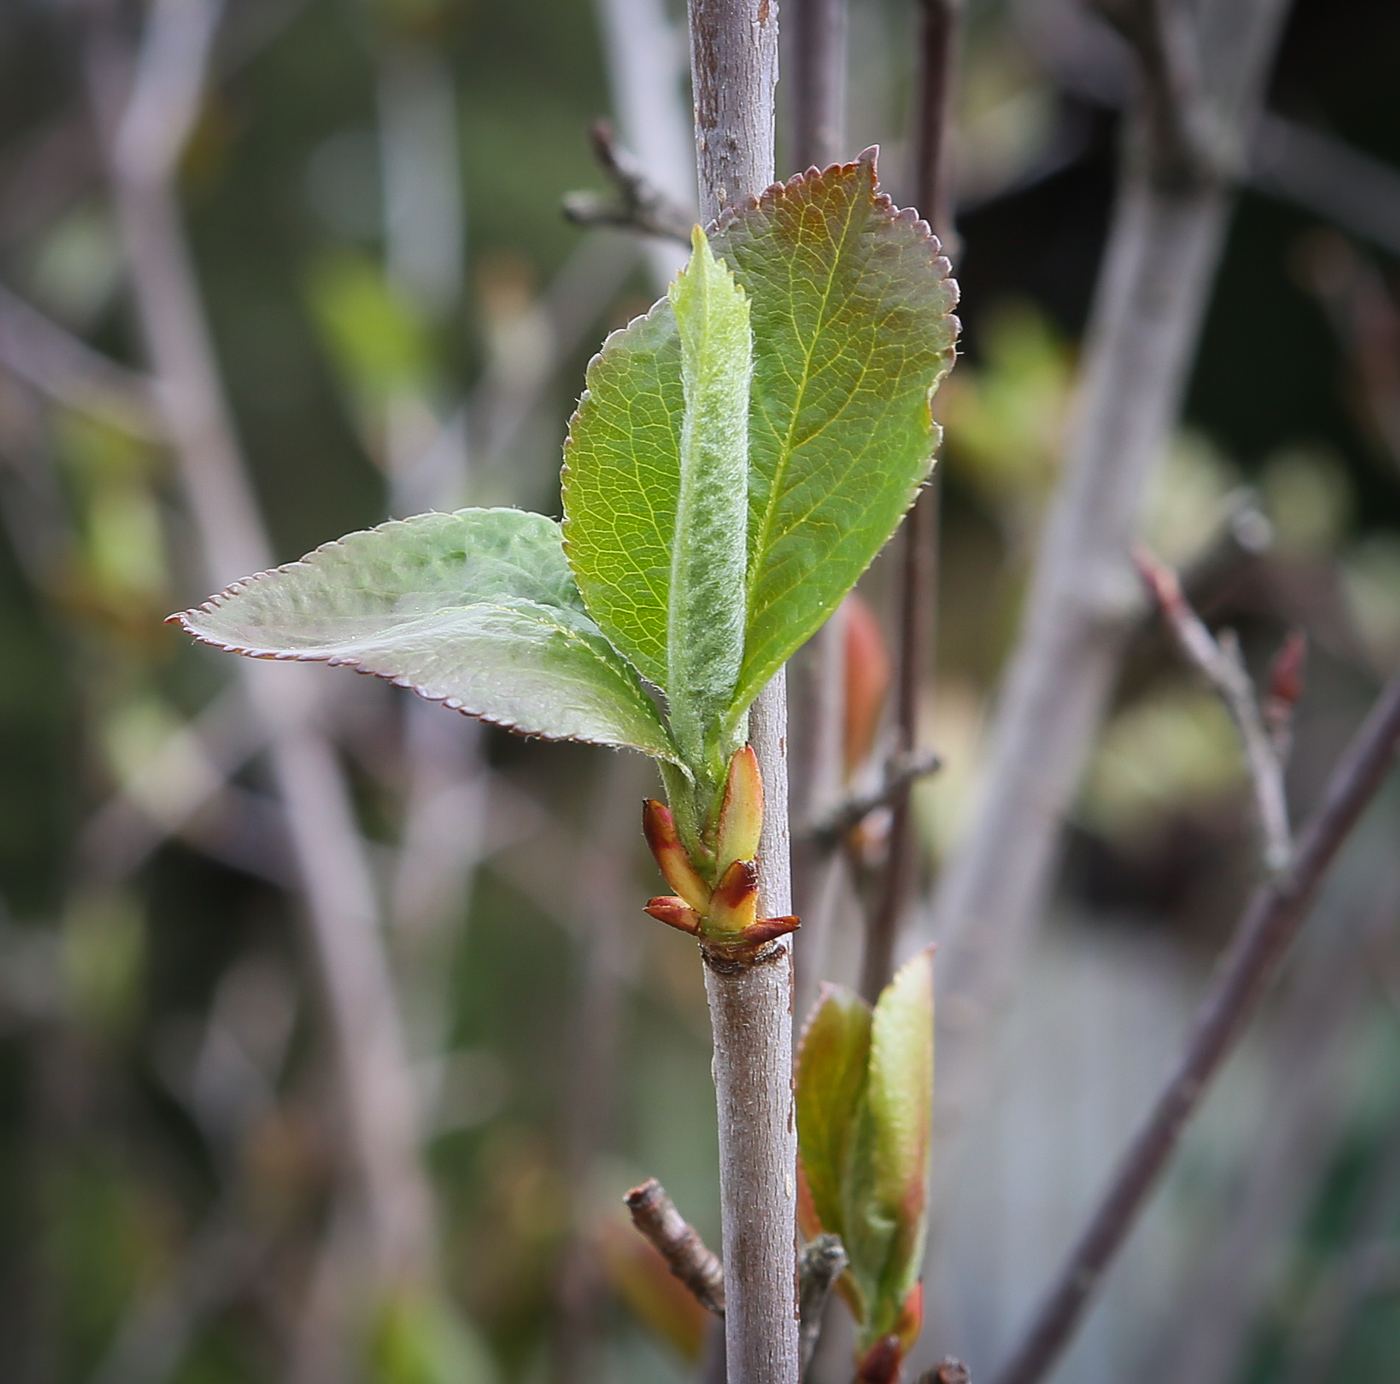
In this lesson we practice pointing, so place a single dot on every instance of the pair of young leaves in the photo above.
(864, 1113)
(740, 455)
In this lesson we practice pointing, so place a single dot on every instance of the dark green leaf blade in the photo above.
(476, 609)
(851, 316)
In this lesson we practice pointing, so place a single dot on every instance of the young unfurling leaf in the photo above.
(705, 615)
(864, 1109)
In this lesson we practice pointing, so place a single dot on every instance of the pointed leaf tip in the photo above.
(741, 814)
(476, 609)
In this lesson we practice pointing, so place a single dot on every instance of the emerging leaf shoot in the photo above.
(864, 1110)
(705, 616)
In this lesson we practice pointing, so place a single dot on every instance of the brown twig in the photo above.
(641, 205)
(949, 1372)
(901, 772)
(679, 1243)
(1223, 665)
(918, 576)
(1262, 939)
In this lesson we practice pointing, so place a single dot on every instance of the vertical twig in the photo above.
(1266, 931)
(151, 129)
(734, 68)
(918, 578)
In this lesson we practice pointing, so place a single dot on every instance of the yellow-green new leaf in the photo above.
(886, 1207)
(476, 609)
(706, 608)
(830, 1096)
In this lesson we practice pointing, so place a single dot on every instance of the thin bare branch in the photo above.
(641, 205)
(67, 370)
(646, 61)
(1223, 666)
(679, 1243)
(1352, 190)
(819, 1265)
(1266, 931)
(152, 116)
(900, 773)
(918, 581)
(1159, 266)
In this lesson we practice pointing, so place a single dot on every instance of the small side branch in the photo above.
(819, 1265)
(949, 1372)
(1223, 665)
(679, 1243)
(641, 206)
(1266, 931)
(901, 772)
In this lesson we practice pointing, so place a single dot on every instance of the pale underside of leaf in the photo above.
(475, 609)
(851, 314)
(705, 619)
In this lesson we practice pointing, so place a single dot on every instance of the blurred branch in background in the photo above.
(1222, 663)
(639, 206)
(1262, 939)
(149, 100)
(1315, 1018)
(814, 63)
(940, 35)
(1154, 285)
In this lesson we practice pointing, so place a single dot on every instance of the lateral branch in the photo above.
(640, 206)
(901, 772)
(1264, 733)
(679, 1243)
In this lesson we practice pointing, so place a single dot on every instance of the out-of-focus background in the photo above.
(231, 1104)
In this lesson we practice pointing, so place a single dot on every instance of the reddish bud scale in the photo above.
(725, 917)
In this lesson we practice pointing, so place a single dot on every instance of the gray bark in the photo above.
(734, 68)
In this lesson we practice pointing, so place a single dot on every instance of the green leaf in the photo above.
(886, 1201)
(830, 1096)
(849, 309)
(621, 483)
(705, 619)
(851, 304)
(476, 609)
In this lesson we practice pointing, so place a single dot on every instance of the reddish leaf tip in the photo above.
(674, 913)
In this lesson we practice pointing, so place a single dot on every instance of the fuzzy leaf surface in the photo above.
(477, 609)
(851, 316)
(830, 1098)
(705, 617)
(887, 1195)
(621, 486)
